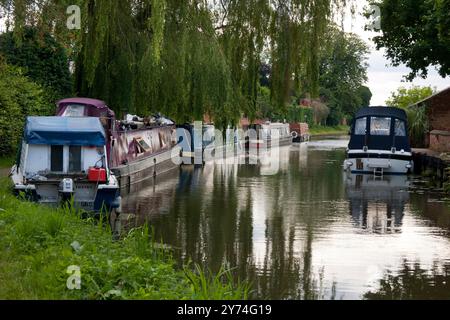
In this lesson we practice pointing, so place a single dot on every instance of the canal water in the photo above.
(309, 231)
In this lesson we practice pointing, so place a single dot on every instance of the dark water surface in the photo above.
(307, 232)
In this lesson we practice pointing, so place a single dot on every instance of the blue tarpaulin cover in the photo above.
(84, 131)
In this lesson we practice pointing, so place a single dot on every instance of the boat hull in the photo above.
(87, 196)
(261, 144)
(379, 164)
(149, 167)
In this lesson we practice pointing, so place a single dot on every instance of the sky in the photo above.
(383, 77)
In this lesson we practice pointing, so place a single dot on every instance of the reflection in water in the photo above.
(413, 282)
(377, 204)
(307, 232)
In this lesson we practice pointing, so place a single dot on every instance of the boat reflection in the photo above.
(377, 204)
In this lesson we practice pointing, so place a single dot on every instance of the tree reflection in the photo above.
(414, 282)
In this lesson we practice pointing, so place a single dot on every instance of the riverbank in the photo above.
(5, 166)
(316, 131)
(40, 245)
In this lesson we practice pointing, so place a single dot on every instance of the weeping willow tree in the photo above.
(186, 58)
(283, 33)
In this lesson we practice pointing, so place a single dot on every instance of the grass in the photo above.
(324, 130)
(6, 162)
(38, 244)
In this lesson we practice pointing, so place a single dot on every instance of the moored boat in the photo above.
(269, 135)
(138, 148)
(65, 159)
(379, 142)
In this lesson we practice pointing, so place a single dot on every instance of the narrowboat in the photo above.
(200, 144)
(137, 148)
(65, 159)
(379, 142)
(262, 135)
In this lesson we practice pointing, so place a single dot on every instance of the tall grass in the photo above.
(208, 286)
(38, 244)
(418, 125)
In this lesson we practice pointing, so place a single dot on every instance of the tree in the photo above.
(416, 33)
(406, 97)
(19, 97)
(186, 58)
(42, 58)
(417, 117)
(342, 74)
(366, 96)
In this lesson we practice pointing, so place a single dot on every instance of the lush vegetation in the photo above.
(190, 58)
(342, 73)
(407, 98)
(39, 244)
(19, 97)
(416, 33)
(41, 58)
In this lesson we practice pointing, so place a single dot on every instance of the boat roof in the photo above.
(99, 104)
(382, 112)
(76, 131)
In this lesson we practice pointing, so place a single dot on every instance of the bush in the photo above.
(19, 97)
(42, 59)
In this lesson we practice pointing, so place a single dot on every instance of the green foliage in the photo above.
(38, 244)
(207, 286)
(42, 58)
(416, 33)
(19, 97)
(343, 72)
(186, 58)
(406, 97)
(418, 125)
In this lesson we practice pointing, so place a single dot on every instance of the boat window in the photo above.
(360, 127)
(74, 159)
(74, 111)
(400, 128)
(142, 146)
(380, 126)
(57, 159)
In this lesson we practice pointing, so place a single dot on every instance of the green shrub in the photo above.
(19, 97)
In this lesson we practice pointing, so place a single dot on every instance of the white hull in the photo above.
(379, 163)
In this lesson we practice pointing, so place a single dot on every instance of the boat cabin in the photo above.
(65, 156)
(380, 128)
(379, 143)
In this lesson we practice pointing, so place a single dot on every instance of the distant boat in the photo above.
(379, 143)
(138, 148)
(265, 138)
(63, 159)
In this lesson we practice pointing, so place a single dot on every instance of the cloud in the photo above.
(383, 77)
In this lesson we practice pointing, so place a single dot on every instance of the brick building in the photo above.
(438, 110)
